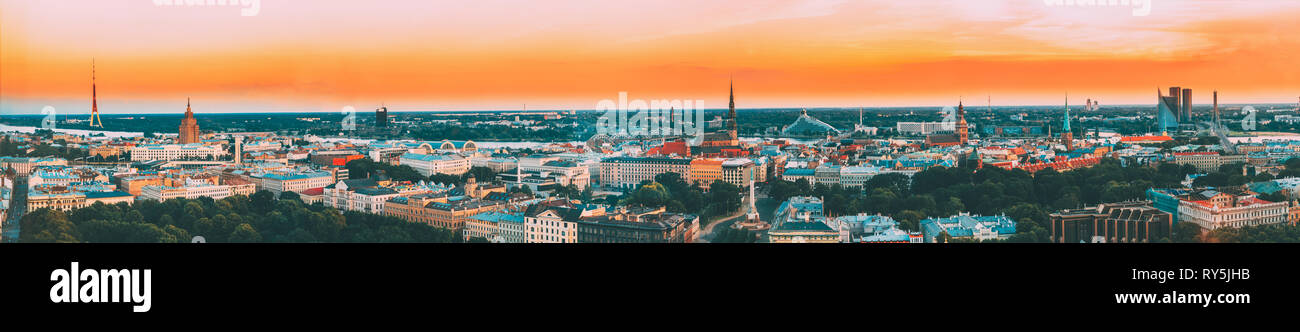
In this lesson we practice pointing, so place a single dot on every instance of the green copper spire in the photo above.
(1066, 128)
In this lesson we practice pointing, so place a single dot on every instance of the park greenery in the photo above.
(367, 168)
(59, 149)
(1027, 198)
(932, 193)
(732, 235)
(236, 219)
(671, 191)
(1237, 174)
(1281, 233)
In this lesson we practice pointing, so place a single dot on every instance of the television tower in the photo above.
(95, 121)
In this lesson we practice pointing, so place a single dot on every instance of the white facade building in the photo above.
(1224, 210)
(430, 164)
(550, 227)
(924, 128)
(629, 172)
(564, 172)
(738, 172)
(297, 182)
(177, 152)
(364, 195)
(164, 193)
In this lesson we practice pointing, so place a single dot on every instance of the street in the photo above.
(16, 209)
(708, 234)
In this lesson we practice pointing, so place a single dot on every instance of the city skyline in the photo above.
(1013, 145)
(783, 54)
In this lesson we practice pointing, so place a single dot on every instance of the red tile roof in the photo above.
(1151, 138)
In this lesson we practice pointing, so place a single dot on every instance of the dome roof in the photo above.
(807, 125)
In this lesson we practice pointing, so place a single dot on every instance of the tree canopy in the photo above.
(259, 218)
(1026, 198)
(671, 191)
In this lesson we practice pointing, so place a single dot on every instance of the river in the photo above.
(81, 132)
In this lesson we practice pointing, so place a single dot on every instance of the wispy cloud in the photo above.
(503, 53)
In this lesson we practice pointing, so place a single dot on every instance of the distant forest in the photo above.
(752, 122)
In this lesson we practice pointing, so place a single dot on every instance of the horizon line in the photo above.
(822, 108)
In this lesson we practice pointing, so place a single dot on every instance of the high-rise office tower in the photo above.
(381, 116)
(1166, 111)
(1217, 120)
(239, 150)
(1187, 106)
(1176, 93)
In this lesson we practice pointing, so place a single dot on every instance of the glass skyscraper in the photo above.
(1166, 112)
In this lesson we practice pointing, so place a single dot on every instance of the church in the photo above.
(724, 142)
(960, 135)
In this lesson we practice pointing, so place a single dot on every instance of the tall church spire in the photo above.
(1066, 126)
(731, 96)
(1067, 136)
(731, 110)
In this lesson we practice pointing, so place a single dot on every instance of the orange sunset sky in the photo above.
(321, 55)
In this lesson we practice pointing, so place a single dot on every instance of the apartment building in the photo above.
(564, 172)
(23, 166)
(368, 195)
(296, 181)
(430, 164)
(1209, 161)
(629, 172)
(177, 152)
